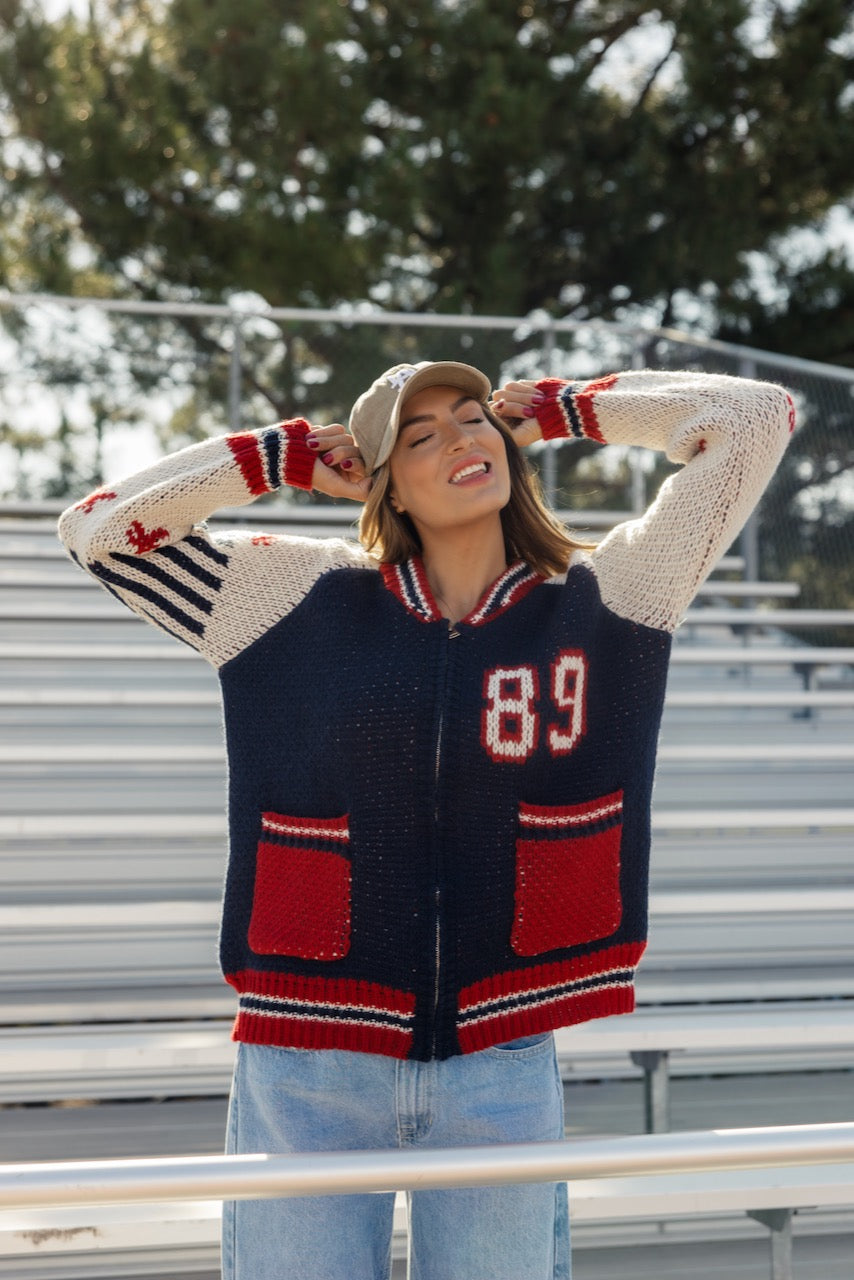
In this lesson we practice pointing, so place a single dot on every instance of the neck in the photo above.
(460, 567)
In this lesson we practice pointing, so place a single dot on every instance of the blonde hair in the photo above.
(531, 532)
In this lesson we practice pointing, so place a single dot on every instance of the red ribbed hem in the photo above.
(288, 1033)
(294, 1012)
(298, 464)
(547, 996)
(246, 448)
(551, 414)
(352, 992)
(585, 404)
(583, 1007)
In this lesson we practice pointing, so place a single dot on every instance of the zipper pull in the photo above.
(453, 634)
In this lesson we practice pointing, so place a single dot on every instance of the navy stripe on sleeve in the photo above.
(165, 579)
(193, 625)
(207, 548)
(185, 562)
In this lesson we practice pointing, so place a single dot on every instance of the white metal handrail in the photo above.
(537, 322)
(27, 1186)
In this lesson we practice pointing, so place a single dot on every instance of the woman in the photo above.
(441, 749)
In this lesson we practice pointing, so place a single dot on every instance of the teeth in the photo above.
(475, 469)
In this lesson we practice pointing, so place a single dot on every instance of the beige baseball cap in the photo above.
(376, 414)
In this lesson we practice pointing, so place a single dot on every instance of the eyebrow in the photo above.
(430, 417)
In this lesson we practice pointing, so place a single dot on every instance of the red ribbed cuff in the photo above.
(298, 461)
(550, 412)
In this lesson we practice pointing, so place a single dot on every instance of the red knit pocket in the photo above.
(567, 874)
(301, 903)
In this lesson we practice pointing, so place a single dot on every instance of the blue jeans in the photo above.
(289, 1100)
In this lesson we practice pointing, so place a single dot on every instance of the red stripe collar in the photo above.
(408, 581)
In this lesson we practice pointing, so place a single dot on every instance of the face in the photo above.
(449, 464)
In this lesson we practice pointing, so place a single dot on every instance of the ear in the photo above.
(395, 504)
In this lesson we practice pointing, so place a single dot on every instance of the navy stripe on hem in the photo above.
(276, 1007)
(528, 999)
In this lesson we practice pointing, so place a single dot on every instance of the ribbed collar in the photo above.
(408, 581)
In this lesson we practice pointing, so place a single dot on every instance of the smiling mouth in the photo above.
(475, 469)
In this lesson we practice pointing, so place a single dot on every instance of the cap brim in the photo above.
(444, 373)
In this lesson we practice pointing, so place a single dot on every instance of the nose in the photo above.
(458, 435)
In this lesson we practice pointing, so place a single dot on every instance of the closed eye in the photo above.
(420, 440)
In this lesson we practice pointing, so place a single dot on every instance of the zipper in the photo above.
(453, 634)
(438, 964)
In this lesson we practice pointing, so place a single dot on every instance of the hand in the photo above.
(514, 403)
(339, 470)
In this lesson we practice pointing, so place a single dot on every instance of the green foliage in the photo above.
(499, 157)
(811, 314)
(578, 157)
(808, 512)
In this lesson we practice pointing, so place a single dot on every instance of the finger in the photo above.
(334, 446)
(518, 400)
(330, 429)
(523, 387)
(346, 456)
(509, 409)
(515, 390)
(354, 467)
(321, 439)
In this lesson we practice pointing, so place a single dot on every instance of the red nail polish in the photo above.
(327, 458)
(311, 442)
(528, 412)
(346, 464)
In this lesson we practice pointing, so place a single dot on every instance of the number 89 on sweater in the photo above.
(510, 719)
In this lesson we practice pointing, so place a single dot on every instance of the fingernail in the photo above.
(346, 464)
(328, 459)
(538, 397)
(498, 404)
(312, 442)
(527, 412)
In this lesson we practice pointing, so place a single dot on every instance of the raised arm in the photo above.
(144, 538)
(729, 434)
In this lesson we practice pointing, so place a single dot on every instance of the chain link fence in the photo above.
(93, 389)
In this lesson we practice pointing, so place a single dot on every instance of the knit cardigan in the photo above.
(439, 834)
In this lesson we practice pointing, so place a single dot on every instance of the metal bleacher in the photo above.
(113, 838)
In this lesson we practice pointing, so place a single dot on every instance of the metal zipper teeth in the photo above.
(452, 635)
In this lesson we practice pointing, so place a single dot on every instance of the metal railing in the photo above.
(253, 1177)
(807, 1147)
(538, 323)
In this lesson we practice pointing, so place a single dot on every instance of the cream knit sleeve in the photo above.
(144, 540)
(729, 434)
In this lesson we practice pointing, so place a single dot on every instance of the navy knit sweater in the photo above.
(439, 834)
